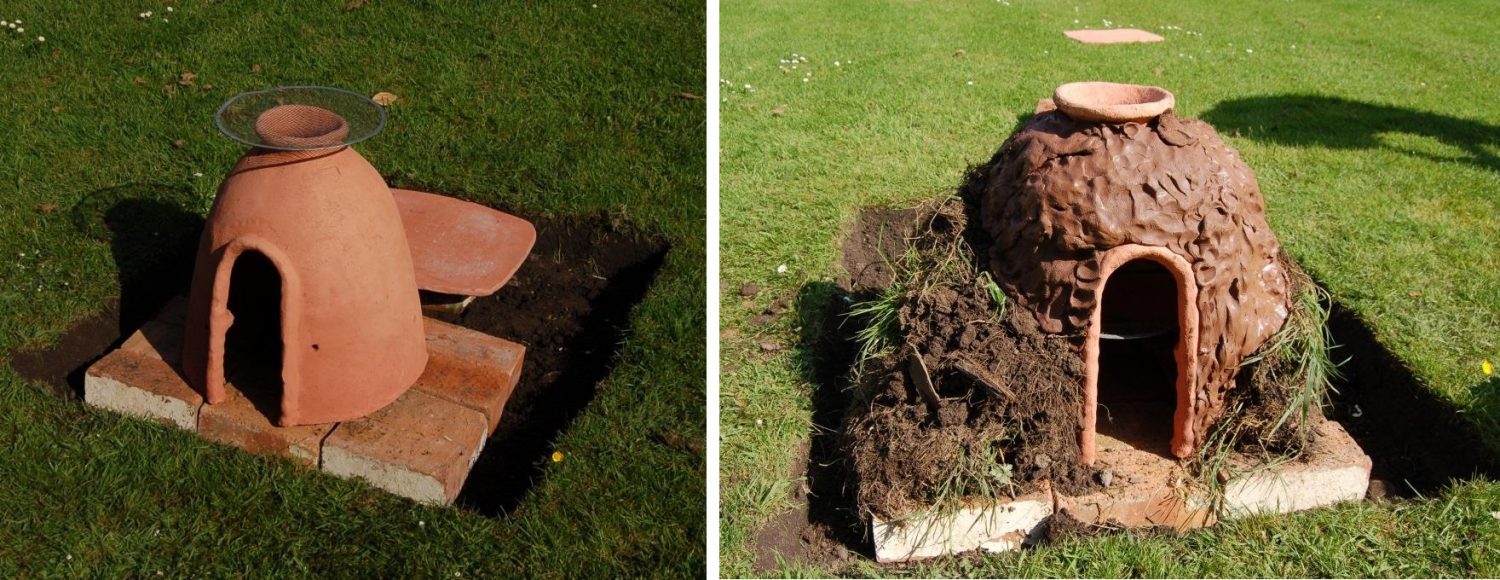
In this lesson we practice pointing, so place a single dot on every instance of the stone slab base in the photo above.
(420, 447)
(1146, 489)
(998, 527)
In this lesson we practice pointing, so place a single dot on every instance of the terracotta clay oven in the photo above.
(1114, 218)
(305, 228)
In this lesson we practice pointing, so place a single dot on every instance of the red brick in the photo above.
(420, 447)
(238, 422)
(471, 368)
(143, 386)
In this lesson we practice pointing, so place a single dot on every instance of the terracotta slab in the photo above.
(420, 447)
(470, 368)
(459, 247)
(1113, 36)
(144, 386)
(238, 422)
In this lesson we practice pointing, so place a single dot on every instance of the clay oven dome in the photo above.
(1114, 219)
(304, 222)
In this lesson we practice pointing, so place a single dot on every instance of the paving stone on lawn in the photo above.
(1113, 36)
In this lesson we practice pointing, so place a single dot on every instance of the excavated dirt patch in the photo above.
(569, 304)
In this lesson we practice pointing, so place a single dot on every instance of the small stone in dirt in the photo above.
(749, 289)
(1106, 477)
(921, 380)
(769, 346)
(1043, 461)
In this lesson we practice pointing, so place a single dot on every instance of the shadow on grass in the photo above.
(153, 240)
(826, 353)
(1338, 123)
(825, 526)
(1419, 441)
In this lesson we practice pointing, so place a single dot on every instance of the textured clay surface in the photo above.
(1061, 192)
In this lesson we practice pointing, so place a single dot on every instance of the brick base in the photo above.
(1147, 489)
(420, 447)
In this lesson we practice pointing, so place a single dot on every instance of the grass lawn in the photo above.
(548, 109)
(1372, 129)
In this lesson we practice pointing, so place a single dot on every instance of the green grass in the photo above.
(1370, 126)
(549, 109)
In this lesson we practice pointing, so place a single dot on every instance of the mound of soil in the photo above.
(1004, 393)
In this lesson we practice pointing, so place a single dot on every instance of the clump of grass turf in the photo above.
(914, 459)
(915, 271)
(880, 316)
(996, 295)
(1297, 365)
(1282, 388)
(979, 473)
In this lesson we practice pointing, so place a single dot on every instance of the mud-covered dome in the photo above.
(1061, 192)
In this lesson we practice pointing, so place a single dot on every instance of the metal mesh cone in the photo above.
(300, 118)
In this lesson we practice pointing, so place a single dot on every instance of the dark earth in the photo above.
(569, 304)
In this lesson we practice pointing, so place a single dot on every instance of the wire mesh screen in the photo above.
(300, 118)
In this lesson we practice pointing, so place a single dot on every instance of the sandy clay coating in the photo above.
(1069, 199)
(351, 321)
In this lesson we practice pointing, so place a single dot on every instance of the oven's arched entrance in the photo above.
(1138, 335)
(253, 342)
(1138, 354)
